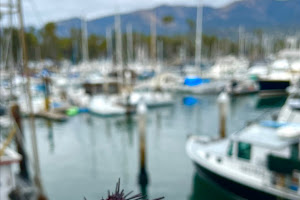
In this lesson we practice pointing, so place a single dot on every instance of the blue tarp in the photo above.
(272, 124)
(40, 87)
(190, 101)
(194, 81)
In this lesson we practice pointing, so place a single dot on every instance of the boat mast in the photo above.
(37, 171)
(241, 42)
(84, 34)
(153, 39)
(199, 36)
(160, 52)
(109, 43)
(129, 43)
(10, 61)
(118, 40)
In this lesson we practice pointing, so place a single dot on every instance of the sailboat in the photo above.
(106, 91)
(193, 83)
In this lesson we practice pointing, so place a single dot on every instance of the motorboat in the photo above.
(241, 87)
(151, 99)
(260, 161)
(106, 106)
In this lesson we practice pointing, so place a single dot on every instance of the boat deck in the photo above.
(263, 136)
(217, 147)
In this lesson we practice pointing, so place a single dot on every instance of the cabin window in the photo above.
(244, 150)
(230, 149)
(294, 151)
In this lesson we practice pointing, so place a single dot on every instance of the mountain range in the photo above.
(280, 15)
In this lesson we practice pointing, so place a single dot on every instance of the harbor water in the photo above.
(85, 156)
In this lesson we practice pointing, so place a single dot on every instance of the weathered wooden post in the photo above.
(142, 117)
(223, 101)
(46, 81)
(16, 114)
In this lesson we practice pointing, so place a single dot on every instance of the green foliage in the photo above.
(50, 42)
(95, 48)
(191, 24)
(32, 44)
(45, 44)
(167, 19)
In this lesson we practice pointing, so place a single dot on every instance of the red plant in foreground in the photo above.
(119, 195)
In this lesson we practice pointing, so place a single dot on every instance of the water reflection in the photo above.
(127, 125)
(270, 102)
(158, 126)
(204, 188)
(143, 179)
(93, 154)
(50, 136)
(108, 127)
(109, 148)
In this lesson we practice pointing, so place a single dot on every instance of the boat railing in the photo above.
(253, 169)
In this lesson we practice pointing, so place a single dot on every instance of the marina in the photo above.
(97, 151)
(193, 101)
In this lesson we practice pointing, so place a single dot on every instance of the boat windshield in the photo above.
(230, 149)
(244, 150)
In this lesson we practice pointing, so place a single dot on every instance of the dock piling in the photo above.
(143, 175)
(16, 114)
(223, 101)
(46, 81)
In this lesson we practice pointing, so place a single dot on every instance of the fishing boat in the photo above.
(259, 162)
(254, 163)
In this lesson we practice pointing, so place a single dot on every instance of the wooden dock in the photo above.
(55, 116)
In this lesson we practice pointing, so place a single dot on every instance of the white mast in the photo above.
(84, 34)
(160, 55)
(199, 36)
(118, 40)
(153, 38)
(10, 48)
(109, 42)
(129, 43)
(241, 42)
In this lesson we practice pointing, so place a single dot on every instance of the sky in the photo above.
(38, 12)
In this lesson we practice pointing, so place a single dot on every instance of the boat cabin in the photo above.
(267, 148)
(259, 138)
(103, 87)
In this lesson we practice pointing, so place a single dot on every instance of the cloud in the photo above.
(38, 12)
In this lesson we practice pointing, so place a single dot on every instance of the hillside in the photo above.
(251, 14)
